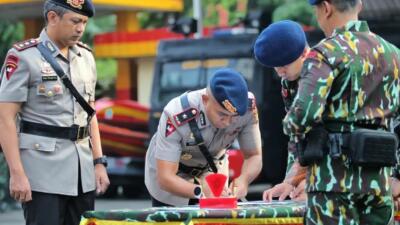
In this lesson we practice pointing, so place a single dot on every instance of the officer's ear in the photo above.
(52, 18)
(327, 9)
(205, 98)
(305, 53)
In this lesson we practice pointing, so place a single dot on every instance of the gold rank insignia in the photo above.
(186, 156)
(228, 106)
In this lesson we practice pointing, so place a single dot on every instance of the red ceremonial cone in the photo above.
(216, 182)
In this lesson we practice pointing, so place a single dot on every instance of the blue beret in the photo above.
(230, 90)
(83, 7)
(280, 44)
(314, 2)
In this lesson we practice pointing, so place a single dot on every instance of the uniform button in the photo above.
(37, 146)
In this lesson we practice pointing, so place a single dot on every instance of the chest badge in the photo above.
(42, 88)
(47, 69)
(57, 89)
(186, 156)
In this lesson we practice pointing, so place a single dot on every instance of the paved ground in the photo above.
(15, 217)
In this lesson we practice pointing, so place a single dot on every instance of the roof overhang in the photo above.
(24, 9)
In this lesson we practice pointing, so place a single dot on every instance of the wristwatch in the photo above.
(101, 160)
(197, 192)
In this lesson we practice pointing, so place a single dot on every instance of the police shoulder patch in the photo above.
(185, 116)
(169, 128)
(11, 65)
(85, 46)
(20, 46)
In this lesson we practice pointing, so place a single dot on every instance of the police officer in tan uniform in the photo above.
(224, 111)
(55, 157)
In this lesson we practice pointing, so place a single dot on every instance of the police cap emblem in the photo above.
(76, 3)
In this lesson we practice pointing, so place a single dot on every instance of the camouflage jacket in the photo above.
(289, 91)
(350, 77)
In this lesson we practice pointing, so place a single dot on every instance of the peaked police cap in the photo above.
(83, 7)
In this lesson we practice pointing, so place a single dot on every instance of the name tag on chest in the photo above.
(49, 78)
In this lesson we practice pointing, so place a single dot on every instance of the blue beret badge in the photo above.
(228, 106)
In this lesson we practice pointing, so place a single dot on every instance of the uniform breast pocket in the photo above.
(47, 97)
(89, 91)
(35, 142)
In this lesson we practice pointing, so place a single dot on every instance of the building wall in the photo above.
(145, 79)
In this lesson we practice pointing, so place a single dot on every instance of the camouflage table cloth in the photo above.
(247, 213)
(254, 213)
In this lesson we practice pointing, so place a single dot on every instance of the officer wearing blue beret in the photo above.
(283, 46)
(55, 158)
(177, 161)
(314, 2)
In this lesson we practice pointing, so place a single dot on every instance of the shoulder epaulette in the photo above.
(85, 46)
(252, 101)
(185, 116)
(252, 104)
(20, 46)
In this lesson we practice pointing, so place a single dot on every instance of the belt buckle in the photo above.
(81, 133)
(77, 133)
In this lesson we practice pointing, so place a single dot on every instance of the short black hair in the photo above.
(49, 6)
(345, 5)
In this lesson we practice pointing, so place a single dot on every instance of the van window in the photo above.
(178, 77)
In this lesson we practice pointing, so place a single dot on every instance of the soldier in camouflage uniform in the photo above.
(349, 80)
(268, 45)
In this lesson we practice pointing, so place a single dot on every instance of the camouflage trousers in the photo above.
(328, 208)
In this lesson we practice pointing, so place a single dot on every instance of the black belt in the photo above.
(191, 170)
(196, 171)
(72, 133)
(333, 126)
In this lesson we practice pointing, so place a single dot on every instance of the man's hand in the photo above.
(396, 193)
(281, 190)
(102, 180)
(239, 188)
(20, 189)
(299, 193)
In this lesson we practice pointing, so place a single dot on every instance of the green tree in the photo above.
(297, 10)
(11, 32)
